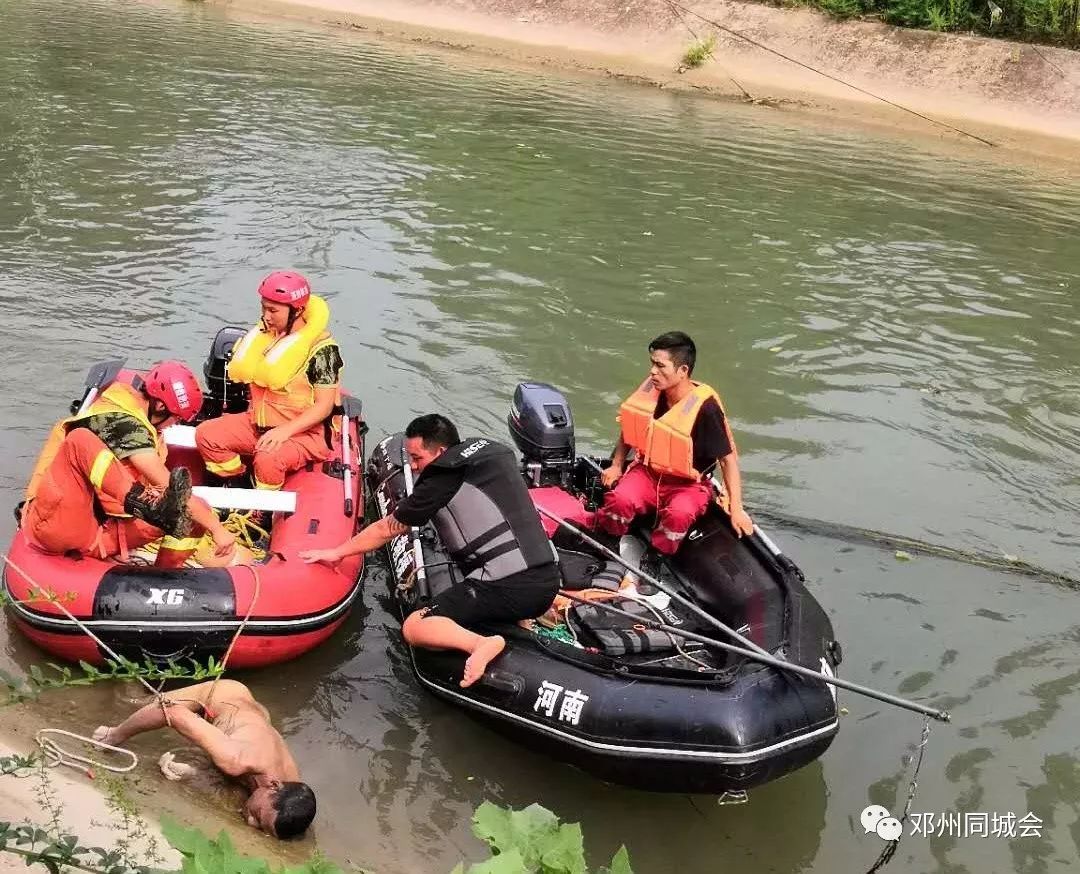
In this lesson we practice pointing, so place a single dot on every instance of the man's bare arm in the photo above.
(372, 537)
(224, 752)
(147, 718)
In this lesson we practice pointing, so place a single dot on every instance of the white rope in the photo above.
(51, 598)
(57, 755)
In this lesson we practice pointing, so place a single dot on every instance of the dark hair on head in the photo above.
(434, 430)
(295, 806)
(679, 346)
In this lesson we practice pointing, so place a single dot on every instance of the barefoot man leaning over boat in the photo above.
(235, 732)
(473, 493)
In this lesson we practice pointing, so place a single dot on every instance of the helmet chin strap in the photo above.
(294, 314)
(157, 413)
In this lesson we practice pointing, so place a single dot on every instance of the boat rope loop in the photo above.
(40, 593)
(54, 754)
(61, 756)
(890, 847)
(225, 658)
(248, 532)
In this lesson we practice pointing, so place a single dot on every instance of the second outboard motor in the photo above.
(223, 395)
(543, 430)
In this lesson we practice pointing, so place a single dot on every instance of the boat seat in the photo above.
(247, 499)
(183, 437)
(180, 436)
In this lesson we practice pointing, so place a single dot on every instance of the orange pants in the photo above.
(61, 517)
(222, 441)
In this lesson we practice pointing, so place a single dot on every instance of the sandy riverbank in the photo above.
(1021, 97)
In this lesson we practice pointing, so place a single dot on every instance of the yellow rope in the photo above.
(248, 534)
(247, 531)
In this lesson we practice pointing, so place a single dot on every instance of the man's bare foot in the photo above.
(101, 733)
(477, 663)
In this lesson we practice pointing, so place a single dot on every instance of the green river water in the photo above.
(893, 327)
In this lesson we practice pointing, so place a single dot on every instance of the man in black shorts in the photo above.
(473, 493)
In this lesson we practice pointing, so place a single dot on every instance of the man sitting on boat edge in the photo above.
(473, 493)
(112, 458)
(680, 432)
(292, 367)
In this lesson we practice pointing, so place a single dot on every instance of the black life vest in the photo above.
(490, 527)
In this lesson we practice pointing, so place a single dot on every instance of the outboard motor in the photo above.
(223, 395)
(543, 430)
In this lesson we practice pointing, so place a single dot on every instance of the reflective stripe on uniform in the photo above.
(180, 544)
(100, 467)
(229, 465)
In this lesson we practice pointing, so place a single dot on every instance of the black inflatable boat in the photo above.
(624, 702)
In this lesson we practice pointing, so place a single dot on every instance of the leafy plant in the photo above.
(699, 52)
(203, 855)
(533, 841)
(938, 20)
(842, 8)
(61, 676)
(47, 844)
(1052, 21)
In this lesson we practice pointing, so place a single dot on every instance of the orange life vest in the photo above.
(665, 445)
(272, 407)
(120, 397)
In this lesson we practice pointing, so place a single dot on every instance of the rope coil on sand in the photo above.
(55, 754)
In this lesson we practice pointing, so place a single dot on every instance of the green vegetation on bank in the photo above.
(529, 841)
(699, 52)
(1051, 21)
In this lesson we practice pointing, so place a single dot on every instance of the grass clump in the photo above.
(699, 52)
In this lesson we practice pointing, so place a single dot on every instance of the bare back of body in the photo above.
(233, 710)
(235, 732)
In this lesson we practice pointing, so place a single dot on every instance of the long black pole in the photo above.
(941, 715)
(667, 590)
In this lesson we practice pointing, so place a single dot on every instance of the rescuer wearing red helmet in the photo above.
(111, 458)
(292, 367)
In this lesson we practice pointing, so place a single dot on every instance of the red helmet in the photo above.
(173, 383)
(283, 286)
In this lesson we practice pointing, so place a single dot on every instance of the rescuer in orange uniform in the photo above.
(100, 485)
(292, 367)
(680, 433)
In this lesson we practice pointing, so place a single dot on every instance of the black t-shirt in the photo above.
(434, 488)
(709, 434)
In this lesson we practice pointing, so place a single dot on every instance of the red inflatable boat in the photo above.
(286, 607)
